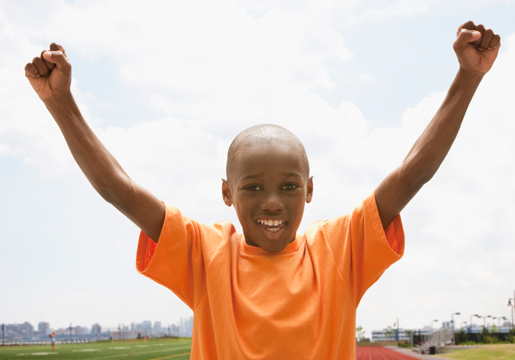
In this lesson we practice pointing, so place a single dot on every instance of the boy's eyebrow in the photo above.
(252, 176)
(291, 174)
(285, 174)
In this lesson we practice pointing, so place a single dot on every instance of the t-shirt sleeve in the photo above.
(177, 261)
(362, 250)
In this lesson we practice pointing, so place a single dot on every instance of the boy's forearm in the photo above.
(100, 167)
(476, 49)
(50, 76)
(430, 149)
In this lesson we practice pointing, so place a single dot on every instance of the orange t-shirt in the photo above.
(299, 303)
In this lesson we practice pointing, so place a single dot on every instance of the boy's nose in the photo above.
(272, 202)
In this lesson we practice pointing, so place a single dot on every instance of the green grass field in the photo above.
(501, 352)
(135, 350)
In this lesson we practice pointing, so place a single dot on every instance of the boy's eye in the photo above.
(289, 186)
(253, 187)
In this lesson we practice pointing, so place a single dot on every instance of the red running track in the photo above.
(379, 353)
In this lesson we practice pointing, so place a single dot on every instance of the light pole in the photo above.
(484, 320)
(452, 320)
(432, 324)
(501, 318)
(169, 331)
(70, 333)
(512, 309)
(471, 316)
(397, 335)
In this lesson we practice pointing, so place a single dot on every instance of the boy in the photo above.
(269, 292)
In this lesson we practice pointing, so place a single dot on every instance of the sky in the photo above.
(166, 85)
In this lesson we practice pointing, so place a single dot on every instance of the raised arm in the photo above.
(476, 49)
(50, 76)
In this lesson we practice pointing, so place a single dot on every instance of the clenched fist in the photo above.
(50, 74)
(476, 47)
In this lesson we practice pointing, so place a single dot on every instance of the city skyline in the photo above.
(27, 332)
(184, 327)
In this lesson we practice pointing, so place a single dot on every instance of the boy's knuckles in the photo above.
(469, 25)
(487, 39)
(464, 39)
(496, 41)
(40, 65)
(480, 28)
(49, 65)
(30, 69)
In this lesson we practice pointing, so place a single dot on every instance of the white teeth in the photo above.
(270, 222)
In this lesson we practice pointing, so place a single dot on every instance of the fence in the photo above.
(44, 342)
(440, 337)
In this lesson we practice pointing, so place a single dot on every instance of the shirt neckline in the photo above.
(256, 250)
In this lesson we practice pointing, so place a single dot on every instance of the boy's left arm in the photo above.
(476, 49)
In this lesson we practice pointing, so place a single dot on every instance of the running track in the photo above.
(379, 353)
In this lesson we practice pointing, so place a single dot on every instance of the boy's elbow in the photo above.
(106, 194)
(416, 175)
(119, 194)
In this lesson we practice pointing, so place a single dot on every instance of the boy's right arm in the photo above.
(50, 76)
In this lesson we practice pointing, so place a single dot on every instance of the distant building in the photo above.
(44, 328)
(380, 335)
(16, 332)
(174, 330)
(96, 329)
(157, 328)
(127, 334)
(142, 326)
(147, 324)
(186, 327)
(505, 328)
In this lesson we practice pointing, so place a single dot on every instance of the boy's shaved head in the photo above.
(264, 134)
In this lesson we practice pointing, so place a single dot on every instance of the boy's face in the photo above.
(268, 188)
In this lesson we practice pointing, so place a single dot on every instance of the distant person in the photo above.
(269, 293)
(52, 339)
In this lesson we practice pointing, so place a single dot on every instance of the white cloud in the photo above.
(346, 14)
(365, 78)
(403, 8)
(408, 8)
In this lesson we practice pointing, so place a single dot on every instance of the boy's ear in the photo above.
(309, 192)
(226, 192)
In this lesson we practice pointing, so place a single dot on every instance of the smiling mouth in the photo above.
(271, 225)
